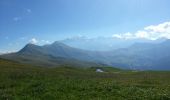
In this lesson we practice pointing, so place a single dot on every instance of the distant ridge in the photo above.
(105, 43)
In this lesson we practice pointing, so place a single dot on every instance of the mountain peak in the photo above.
(60, 44)
(29, 47)
(57, 42)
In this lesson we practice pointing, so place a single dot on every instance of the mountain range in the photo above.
(138, 56)
(104, 43)
(53, 55)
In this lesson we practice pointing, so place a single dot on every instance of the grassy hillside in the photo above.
(26, 82)
(47, 60)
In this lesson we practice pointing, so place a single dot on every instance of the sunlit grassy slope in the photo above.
(26, 82)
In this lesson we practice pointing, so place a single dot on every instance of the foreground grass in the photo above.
(23, 82)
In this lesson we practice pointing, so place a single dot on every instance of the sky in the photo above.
(45, 21)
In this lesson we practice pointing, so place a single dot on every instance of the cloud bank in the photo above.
(152, 32)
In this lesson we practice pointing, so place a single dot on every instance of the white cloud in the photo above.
(45, 41)
(26, 13)
(117, 35)
(142, 34)
(151, 32)
(7, 52)
(28, 10)
(127, 35)
(17, 19)
(33, 41)
(161, 28)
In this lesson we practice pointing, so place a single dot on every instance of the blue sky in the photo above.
(45, 21)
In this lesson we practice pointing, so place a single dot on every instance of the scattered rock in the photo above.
(99, 70)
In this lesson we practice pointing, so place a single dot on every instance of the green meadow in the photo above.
(28, 82)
